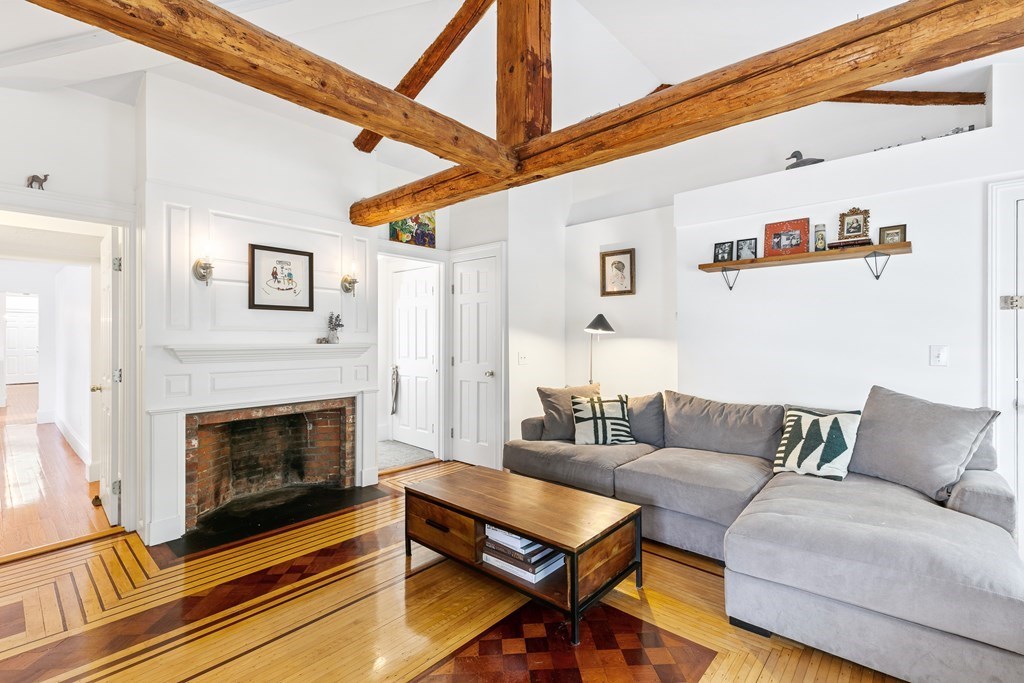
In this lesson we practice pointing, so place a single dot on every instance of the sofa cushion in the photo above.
(917, 443)
(985, 458)
(557, 404)
(647, 419)
(584, 467)
(700, 424)
(884, 547)
(602, 421)
(705, 484)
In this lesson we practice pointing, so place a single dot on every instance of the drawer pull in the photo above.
(437, 525)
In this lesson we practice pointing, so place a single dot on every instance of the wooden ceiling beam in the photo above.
(203, 34)
(524, 70)
(912, 38)
(431, 61)
(913, 98)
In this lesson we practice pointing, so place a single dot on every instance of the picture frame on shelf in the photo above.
(854, 225)
(892, 234)
(820, 238)
(618, 272)
(746, 249)
(787, 237)
(280, 279)
(723, 252)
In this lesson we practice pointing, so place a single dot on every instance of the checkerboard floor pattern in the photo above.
(532, 645)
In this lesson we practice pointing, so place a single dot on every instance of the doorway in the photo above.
(410, 319)
(56, 450)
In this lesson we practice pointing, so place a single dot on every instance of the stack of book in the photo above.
(521, 557)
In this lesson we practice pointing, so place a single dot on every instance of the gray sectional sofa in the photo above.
(922, 587)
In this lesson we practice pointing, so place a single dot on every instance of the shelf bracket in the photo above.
(877, 261)
(730, 275)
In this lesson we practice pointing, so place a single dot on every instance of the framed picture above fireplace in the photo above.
(280, 279)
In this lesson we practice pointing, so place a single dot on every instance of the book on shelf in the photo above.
(507, 538)
(527, 561)
(539, 573)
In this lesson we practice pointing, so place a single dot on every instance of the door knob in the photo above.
(489, 373)
(95, 387)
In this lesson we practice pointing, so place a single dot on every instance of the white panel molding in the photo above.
(245, 353)
(177, 386)
(178, 273)
(245, 380)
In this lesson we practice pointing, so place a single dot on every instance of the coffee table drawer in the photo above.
(446, 530)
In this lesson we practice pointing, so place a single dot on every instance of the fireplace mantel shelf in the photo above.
(247, 353)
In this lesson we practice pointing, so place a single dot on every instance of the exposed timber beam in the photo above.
(913, 98)
(908, 39)
(203, 34)
(435, 56)
(524, 70)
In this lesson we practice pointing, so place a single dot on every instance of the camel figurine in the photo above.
(35, 181)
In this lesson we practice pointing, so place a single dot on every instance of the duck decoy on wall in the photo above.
(800, 162)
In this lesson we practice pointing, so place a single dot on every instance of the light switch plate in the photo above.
(938, 355)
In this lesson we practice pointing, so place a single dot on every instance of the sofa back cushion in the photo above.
(922, 445)
(647, 419)
(559, 424)
(698, 423)
(986, 458)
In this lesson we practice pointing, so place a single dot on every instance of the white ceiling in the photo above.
(605, 52)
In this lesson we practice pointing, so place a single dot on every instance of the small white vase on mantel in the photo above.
(332, 336)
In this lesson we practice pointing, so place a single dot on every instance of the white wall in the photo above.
(38, 278)
(479, 221)
(86, 143)
(73, 332)
(219, 176)
(640, 358)
(536, 286)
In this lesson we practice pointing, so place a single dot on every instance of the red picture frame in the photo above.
(787, 237)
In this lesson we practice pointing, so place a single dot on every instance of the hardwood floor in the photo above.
(44, 496)
(332, 600)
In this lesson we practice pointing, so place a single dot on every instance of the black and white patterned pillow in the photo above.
(602, 421)
(817, 443)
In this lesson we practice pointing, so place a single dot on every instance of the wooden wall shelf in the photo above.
(809, 257)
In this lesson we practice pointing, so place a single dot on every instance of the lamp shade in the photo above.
(599, 325)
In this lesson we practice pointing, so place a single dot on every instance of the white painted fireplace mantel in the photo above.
(243, 353)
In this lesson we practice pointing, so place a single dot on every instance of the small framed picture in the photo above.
(893, 234)
(820, 241)
(746, 249)
(280, 279)
(723, 252)
(618, 272)
(787, 237)
(853, 225)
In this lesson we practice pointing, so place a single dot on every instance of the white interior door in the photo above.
(414, 343)
(478, 360)
(105, 390)
(21, 354)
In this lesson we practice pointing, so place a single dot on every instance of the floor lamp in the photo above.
(598, 325)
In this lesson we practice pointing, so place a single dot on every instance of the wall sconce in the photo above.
(202, 270)
(348, 284)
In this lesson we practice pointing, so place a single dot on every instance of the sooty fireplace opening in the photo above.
(237, 453)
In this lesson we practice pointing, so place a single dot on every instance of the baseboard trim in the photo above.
(80, 448)
(369, 477)
(756, 630)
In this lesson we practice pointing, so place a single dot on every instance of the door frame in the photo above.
(127, 441)
(440, 258)
(498, 250)
(1004, 327)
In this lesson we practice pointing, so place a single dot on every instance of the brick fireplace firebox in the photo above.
(234, 453)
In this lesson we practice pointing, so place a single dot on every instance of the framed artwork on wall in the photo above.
(618, 272)
(280, 279)
(420, 230)
(723, 252)
(893, 234)
(853, 225)
(746, 249)
(787, 237)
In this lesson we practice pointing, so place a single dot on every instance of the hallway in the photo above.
(44, 495)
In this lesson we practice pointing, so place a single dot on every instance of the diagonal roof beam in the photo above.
(431, 61)
(908, 98)
(203, 34)
(912, 38)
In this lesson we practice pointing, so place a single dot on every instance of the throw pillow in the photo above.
(916, 443)
(818, 443)
(557, 403)
(602, 421)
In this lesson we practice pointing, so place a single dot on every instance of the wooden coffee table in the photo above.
(599, 536)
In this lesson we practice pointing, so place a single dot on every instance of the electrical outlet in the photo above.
(524, 359)
(938, 356)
